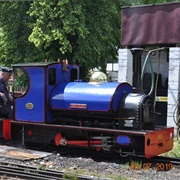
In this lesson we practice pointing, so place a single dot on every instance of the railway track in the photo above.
(13, 170)
(39, 172)
(163, 159)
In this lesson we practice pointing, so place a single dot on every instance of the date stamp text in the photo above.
(147, 166)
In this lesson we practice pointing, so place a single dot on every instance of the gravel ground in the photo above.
(100, 168)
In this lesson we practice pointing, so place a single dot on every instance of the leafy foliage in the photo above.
(80, 31)
(83, 31)
(175, 152)
(14, 44)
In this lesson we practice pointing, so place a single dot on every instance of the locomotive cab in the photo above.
(39, 79)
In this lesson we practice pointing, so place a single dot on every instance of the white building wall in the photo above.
(125, 61)
(112, 71)
(173, 84)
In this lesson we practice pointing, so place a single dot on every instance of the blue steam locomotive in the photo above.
(58, 108)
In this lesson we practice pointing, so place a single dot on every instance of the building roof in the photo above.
(154, 24)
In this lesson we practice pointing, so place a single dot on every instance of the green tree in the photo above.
(86, 32)
(14, 33)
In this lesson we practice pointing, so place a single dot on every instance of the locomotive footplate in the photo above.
(148, 143)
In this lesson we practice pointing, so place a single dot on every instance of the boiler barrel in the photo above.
(90, 97)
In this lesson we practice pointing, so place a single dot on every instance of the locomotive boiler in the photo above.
(109, 105)
(58, 108)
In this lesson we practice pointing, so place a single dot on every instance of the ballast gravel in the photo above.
(99, 168)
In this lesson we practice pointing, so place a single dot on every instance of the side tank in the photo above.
(83, 96)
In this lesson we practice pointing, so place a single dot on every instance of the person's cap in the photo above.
(6, 69)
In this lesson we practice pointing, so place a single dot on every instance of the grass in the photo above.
(70, 176)
(175, 152)
(73, 175)
(118, 178)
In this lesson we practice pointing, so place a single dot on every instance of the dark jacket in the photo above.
(3, 89)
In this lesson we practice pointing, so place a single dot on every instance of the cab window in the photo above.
(52, 76)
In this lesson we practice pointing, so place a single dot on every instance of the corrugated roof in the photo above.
(151, 25)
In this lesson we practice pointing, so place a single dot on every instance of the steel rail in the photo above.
(28, 173)
(164, 159)
(31, 172)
